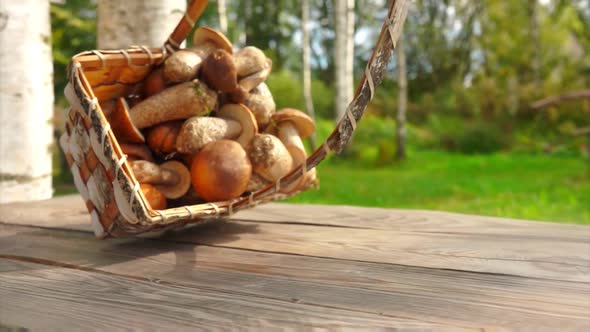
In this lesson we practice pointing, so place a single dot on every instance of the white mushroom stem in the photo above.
(262, 106)
(289, 135)
(178, 102)
(269, 156)
(251, 81)
(256, 183)
(196, 132)
(148, 172)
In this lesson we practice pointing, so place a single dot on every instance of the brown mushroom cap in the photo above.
(245, 117)
(162, 138)
(204, 35)
(221, 171)
(219, 71)
(136, 152)
(181, 186)
(304, 124)
(155, 198)
(154, 83)
(121, 123)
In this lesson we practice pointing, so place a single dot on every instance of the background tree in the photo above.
(26, 101)
(222, 14)
(400, 152)
(136, 22)
(305, 48)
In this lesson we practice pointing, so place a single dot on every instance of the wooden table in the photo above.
(297, 267)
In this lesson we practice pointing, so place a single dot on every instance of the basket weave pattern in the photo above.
(99, 167)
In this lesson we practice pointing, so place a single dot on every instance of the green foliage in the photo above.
(287, 91)
(73, 30)
(538, 187)
(481, 138)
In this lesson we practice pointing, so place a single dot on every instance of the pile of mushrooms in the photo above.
(204, 126)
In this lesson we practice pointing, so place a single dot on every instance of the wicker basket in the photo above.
(103, 176)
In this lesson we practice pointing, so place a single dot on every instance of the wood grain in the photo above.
(432, 240)
(446, 297)
(52, 298)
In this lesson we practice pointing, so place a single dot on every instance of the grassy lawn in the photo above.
(539, 187)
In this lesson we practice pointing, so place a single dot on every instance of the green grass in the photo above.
(538, 187)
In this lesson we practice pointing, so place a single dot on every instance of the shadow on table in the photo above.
(173, 252)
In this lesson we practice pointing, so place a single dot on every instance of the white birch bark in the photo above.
(305, 45)
(26, 101)
(222, 13)
(349, 64)
(344, 55)
(136, 22)
(340, 58)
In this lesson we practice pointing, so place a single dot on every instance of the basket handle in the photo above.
(183, 28)
(372, 77)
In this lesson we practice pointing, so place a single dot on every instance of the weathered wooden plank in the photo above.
(55, 298)
(554, 254)
(440, 296)
(410, 221)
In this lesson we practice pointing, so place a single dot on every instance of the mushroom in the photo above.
(178, 102)
(136, 152)
(121, 124)
(236, 75)
(154, 197)
(262, 104)
(154, 83)
(172, 178)
(184, 65)
(250, 60)
(269, 156)
(221, 171)
(256, 183)
(291, 126)
(234, 121)
(162, 138)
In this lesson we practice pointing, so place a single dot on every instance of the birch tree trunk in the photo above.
(400, 118)
(221, 12)
(344, 55)
(340, 58)
(349, 64)
(137, 22)
(305, 45)
(26, 101)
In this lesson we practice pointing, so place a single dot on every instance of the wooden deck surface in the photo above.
(295, 267)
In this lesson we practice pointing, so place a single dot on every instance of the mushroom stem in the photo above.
(196, 132)
(171, 178)
(147, 172)
(178, 102)
(262, 105)
(248, 83)
(249, 60)
(289, 135)
(269, 156)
